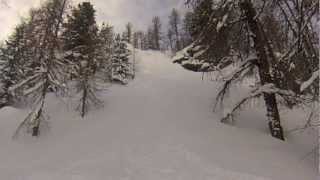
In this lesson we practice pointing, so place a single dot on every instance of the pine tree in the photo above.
(156, 33)
(11, 56)
(240, 32)
(121, 70)
(150, 39)
(144, 41)
(260, 45)
(199, 17)
(174, 29)
(128, 33)
(81, 39)
(186, 37)
(46, 63)
(170, 38)
(105, 51)
(137, 37)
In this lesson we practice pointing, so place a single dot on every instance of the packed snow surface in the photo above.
(158, 127)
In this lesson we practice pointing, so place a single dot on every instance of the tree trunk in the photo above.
(35, 131)
(84, 99)
(178, 44)
(260, 45)
(36, 127)
(170, 42)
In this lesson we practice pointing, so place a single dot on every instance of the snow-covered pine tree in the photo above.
(174, 30)
(82, 42)
(128, 33)
(136, 40)
(121, 66)
(274, 40)
(3, 98)
(45, 70)
(150, 39)
(170, 39)
(144, 41)
(11, 57)
(156, 32)
(186, 37)
(198, 17)
(105, 51)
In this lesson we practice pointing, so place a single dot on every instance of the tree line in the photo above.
(56, 48)
(173, 35)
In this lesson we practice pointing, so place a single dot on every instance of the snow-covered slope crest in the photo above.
(158, 127)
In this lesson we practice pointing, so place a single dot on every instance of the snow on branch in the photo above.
(245, 67)
(222, 22)
(32, 120)
(190, 58)
(24, 82)
(182, 54)
(267, 88)
(34, 88)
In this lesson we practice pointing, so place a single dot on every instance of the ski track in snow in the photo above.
(158, 127)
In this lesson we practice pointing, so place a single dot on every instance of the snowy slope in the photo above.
(159, 127)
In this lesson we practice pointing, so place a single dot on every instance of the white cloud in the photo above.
(115, 12)
(11, 12)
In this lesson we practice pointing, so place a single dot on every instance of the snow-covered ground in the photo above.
(158, 127)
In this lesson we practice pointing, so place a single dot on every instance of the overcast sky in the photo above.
(115, 12)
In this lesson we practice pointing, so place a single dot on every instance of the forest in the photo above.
(252, 65)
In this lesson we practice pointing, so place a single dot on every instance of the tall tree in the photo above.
(260, 45)
(156, 32)
(243, 28)
(174, 28)
(199, 17)
(150, 39)
(186, 37)
(144, 41)
(47, 63)
(137, 38)
(128, 33)
(104, 51)
(81, 39)
(170, 38)
(11, 57)
(121, 68)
